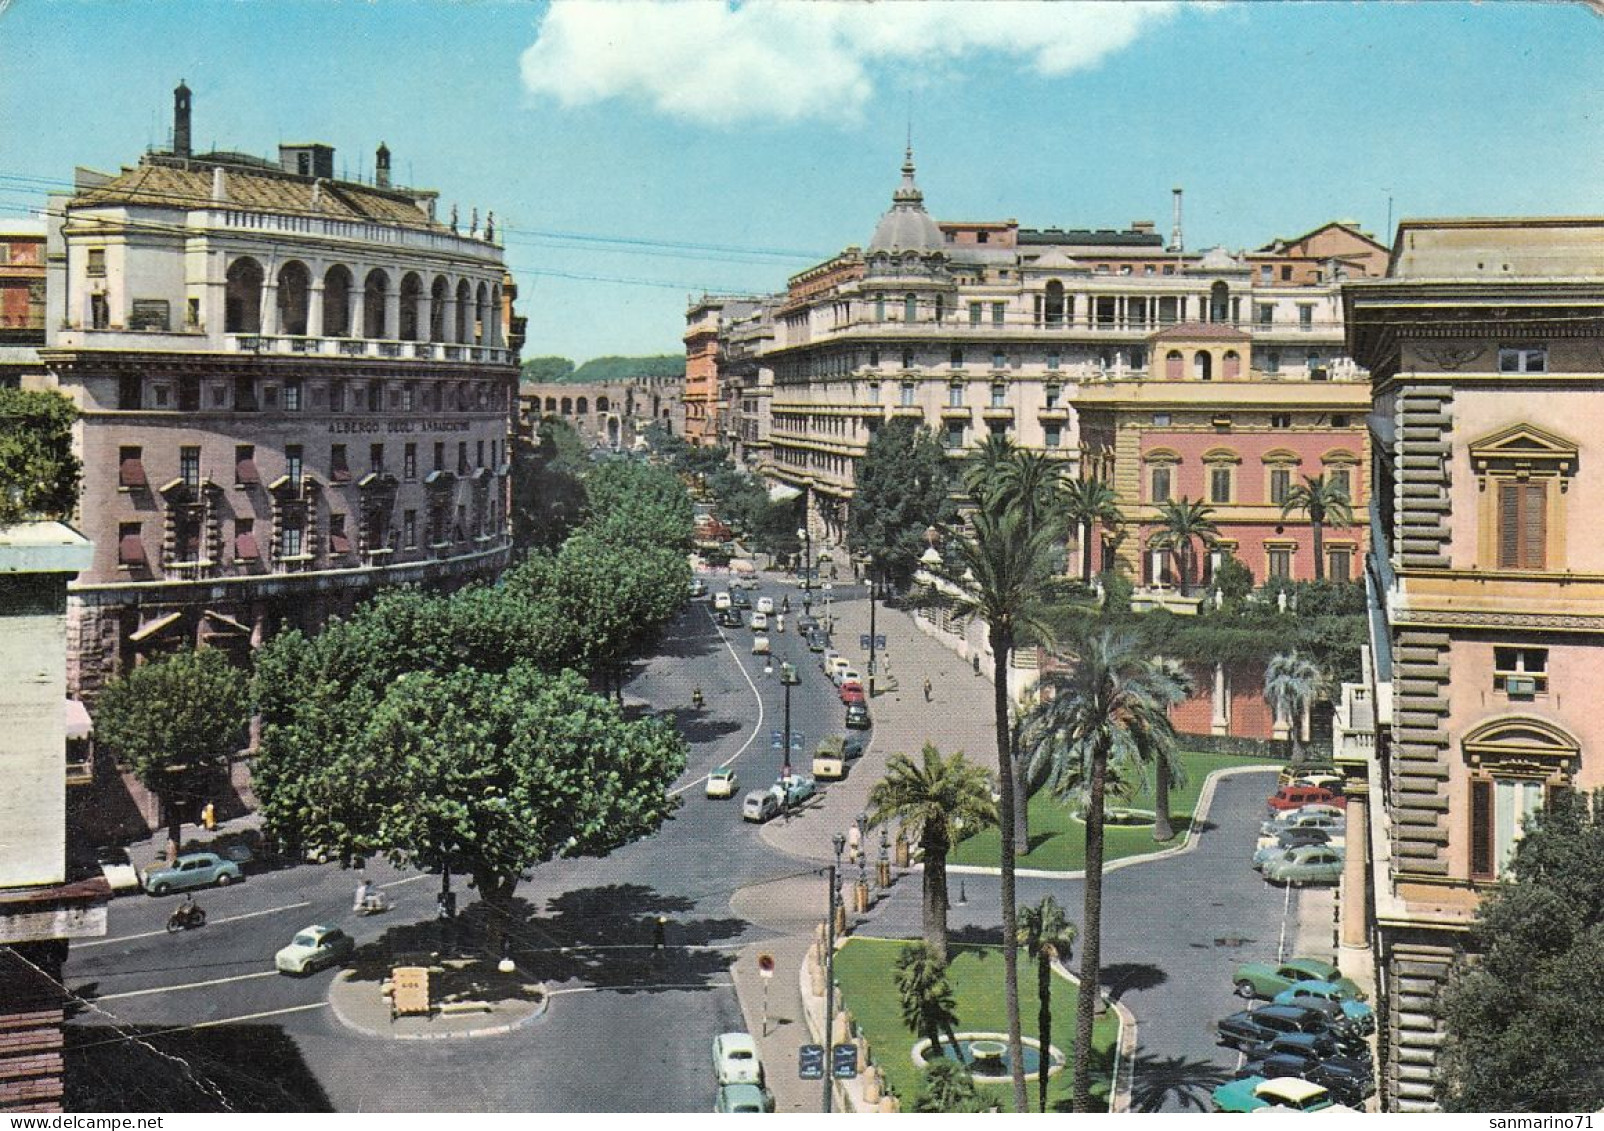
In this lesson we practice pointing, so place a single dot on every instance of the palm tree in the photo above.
(1035, 482)
(929, 1007)
(982, 467)
(1047, 937)
(1180, 521)
(947, 1088)
(1114, 701)
(933, 800)
(1004, 574)
(1090, 503)
(1323, 503)
(1291, 683)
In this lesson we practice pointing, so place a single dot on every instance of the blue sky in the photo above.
(637, 154)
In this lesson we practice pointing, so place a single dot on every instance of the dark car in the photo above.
(1244, 1029)
(806, 624)
(1313, 1046)
(1342, 1022)
(852, 747)
(730, 618)
(739, 599)
(1349, 1079)
(817, 642)
(857, 716)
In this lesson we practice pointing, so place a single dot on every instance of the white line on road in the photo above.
(188, 986)
(408, 880)
(228, 919)
(257, 1016)
(757, 729)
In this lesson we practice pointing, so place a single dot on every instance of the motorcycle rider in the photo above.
(188, 911)
(696, 698)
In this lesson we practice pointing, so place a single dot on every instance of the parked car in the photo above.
(816, 641)
(1349, 1080)
(119, 871)
(1266, 979)
(760, 805)
(721, 600)
(858, 716)
(698, 588)
(1297, 796)
(828, 659)
(1271, 847)
(1324, 817)
(760, 645)
(1255, 1093)
(735, 1059)
(1246, 1028)
(853, 746)
(765, 605)
(794, 790)
(760, 622)
(853, 693)
(1313, 1046)
(313, 948)
(1291, 774)
(1311, 864)
(192, 870)
(745, 1098)
(1327, 996)
(828, 762)
(845, 673)
(1321, 780)
(721, 782)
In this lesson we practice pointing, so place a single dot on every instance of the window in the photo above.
(375, 396)
(999, 360)
(376, 458)
(1520, 673)
(1339, 564)
(1286, 274)
(955, 395)
(189, 467)
(409, 529)
(1305, 316)
(1272, 361)
(96, 264)
(1523, 359)
(292, 396)
(907, 394)
(879, 308)
(245, 473)
(999, 313)
(245, 547)
(1280, 561)
(219, 395)
(1159, 484)
(1266, 273)
(1055, 435)
(339, 466)
(874, 359)
(130, 546)
(131, 469)
(269, 396)
(1054, 358)
(1339, 420)
(193, 313)
(954, 436)
(1522, 525)
(1280, 420)
(1341, 479)
(409, 462)
(910, 309)
(292, 463)
(1053, 393)
(99, 312)
(957, 357)
(1280, 484)
(1499, 809)
(479, 453)
(291, 538)
(999, 396)
(462, 457)
(337, 396)
(339, 540)
(439, 455)
(975, 310)
(907, 359)
(1219, 484)
(1161, 419)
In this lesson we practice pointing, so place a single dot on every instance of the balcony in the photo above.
(1054, 412)
(303, 346)
(997, 412)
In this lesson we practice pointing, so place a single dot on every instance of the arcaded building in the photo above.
(295, 389)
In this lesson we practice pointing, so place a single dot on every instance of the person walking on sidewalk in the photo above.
(927, 689)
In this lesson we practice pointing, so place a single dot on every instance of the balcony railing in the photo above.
(366, 347)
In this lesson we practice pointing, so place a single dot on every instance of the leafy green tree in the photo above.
(1047, 937)
(1182, 522)
(937, 801)
(904, 486)
(1525, 1015)
(1291, 685)
(488, 773)
(1090, 504)
(1322, 503)
(636, 504)
(929, 1007)
(548, 493)
(618, 597)
(946, 1086)
(174, 721)
(39, 475)
(543, 370)
(1234, 581)
(603, 369)
(1113, 700)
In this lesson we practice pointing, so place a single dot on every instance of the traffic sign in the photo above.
(796, 740)
(844, 1062)
(863, 640)
(765, 965)
(810, 1062)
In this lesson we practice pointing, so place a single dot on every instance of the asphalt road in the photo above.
(198, 1021)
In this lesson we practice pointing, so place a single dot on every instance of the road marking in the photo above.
(163, 931)
(408, 880)
(257, 1016)
(187, 986)
(637, 989)
(757, 729)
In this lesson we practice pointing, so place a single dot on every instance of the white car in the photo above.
(835, 666)
(721, 782)
(735, 1059)
(845, 674)
(760, 622)
(721, 600)
(119, 871)
(760, 645)
(765, 605)
(313, 948)
(827, 660)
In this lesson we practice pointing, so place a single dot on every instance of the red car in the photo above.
(852, 693)
(1297, 796)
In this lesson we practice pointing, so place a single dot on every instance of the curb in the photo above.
(488, 1031)
(1205, 798)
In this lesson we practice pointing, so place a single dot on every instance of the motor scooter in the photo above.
(185, 917)
(375, 903)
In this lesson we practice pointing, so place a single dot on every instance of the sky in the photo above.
(638, 154)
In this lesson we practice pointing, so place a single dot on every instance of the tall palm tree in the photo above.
(1004, 574)
(1322, 503)
(1180, 522)
(1035, 483)
(1114, 700)
(929, 1007)
(947, 1088)
(1291, 683)
(982, 467)
(1047, 937)
(1090, 503)
(933, 800)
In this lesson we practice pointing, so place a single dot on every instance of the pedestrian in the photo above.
(364, 892)
(659, 933)
(209, 816)
(927, 689)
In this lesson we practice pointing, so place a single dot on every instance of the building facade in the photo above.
(1168, 373)
(22, 300)
(1486, 347)
(295, 389)
(609, 414)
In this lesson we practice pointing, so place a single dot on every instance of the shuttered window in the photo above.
(1522, 525)
(1481, 830)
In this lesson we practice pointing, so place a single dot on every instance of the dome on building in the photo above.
(907, 227)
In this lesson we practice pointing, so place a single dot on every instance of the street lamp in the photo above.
(785, 738)
(884, 871)
(834, 894)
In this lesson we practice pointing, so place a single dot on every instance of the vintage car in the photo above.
(1266, 979)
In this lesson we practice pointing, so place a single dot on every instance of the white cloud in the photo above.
(788, 60)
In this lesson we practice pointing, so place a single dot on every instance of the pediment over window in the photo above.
(1521, 744)
(1523, 448)
(1282, 456)
(1161, 455)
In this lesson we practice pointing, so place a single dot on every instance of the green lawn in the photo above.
(1058, 841)
(864, 967)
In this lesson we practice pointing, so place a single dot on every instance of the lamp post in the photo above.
(806, 535)
(873, 579)
(829, 970)
(785, 738)
(884, 871)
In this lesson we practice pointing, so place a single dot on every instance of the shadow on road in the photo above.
(1170, 1082)
(1124, 977)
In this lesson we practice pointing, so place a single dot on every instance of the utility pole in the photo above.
(829, 975)
(785, 738)
(873, 585)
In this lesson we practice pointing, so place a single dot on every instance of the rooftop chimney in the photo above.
(181, 120)
(381, 166)
(1176, 242)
